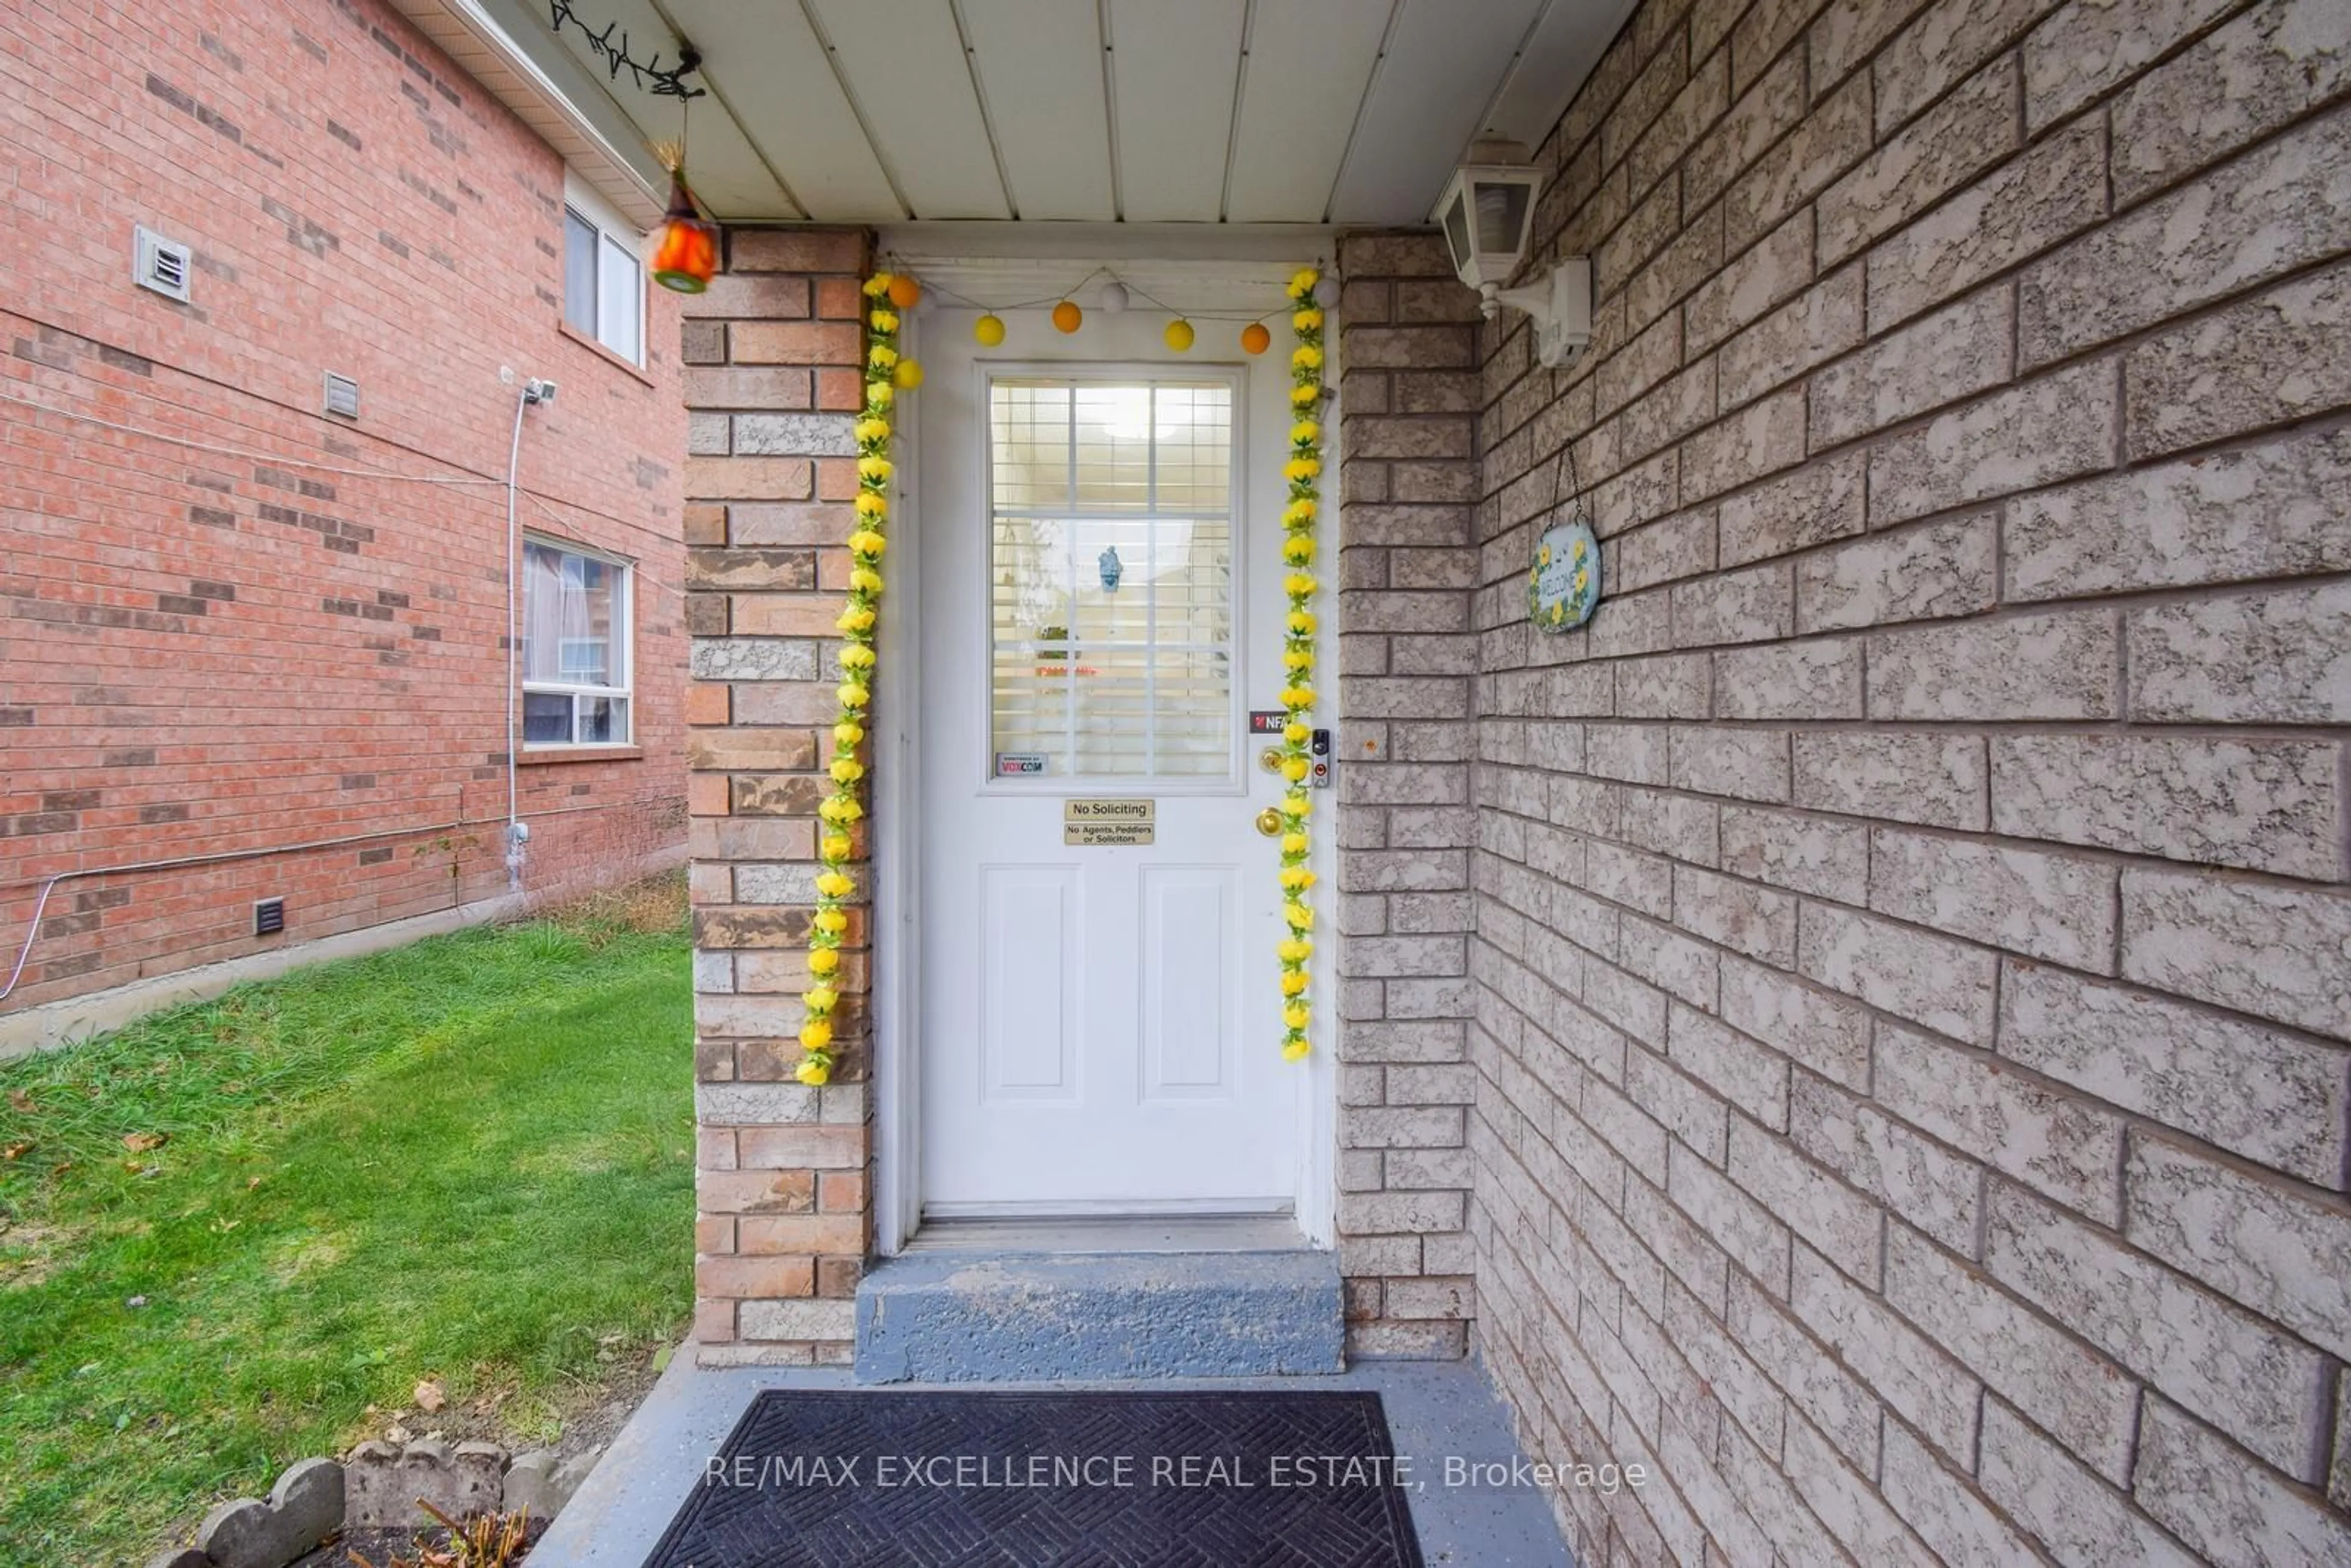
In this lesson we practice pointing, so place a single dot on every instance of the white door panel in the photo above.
(1032, 958)
(1099, 1024)
(1190, 956)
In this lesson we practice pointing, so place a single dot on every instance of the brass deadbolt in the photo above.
(1270, 759)
(1269, 822)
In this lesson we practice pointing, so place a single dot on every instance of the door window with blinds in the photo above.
(1111, 573)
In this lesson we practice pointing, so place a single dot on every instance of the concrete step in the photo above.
(1035, 1317)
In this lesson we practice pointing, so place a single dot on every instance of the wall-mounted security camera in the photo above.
(1560, 305)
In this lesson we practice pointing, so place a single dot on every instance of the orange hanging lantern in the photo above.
(686, 257)
(1255, 339)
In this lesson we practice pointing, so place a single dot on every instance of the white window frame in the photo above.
(624, 642)
(614, 235)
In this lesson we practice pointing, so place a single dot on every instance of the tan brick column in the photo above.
(772, 352)
(1408, 354)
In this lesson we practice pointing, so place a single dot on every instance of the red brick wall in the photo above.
(203, 652)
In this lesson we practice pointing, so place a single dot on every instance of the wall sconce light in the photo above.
(1487, 213)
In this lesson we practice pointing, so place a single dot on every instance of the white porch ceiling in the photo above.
(1197, 111)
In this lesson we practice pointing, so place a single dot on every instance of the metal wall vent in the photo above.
(164, 266)
(268, 916)
(343, 395)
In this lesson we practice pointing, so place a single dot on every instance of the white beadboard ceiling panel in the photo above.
(1173, 70)
(1039, 63)
(1567, 42)
(1444, 61)
(904, 61)
(1309, 62)
(1145, 111)
(764, 60)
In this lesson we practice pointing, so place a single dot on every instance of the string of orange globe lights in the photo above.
(1114, 297)
(888, 298)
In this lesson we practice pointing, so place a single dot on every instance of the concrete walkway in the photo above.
(1435, 1410)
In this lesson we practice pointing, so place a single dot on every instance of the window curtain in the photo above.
(566, 619)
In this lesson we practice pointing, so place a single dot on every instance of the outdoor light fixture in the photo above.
(1487, 213)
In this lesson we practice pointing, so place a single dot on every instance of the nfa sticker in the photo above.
(1564, 584)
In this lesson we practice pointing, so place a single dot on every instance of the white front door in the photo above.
(1100, 605)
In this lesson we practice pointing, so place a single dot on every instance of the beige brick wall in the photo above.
(1406, 659)
(1912, 969)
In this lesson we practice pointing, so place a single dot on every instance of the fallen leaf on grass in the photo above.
(15, 1151)
(140, 1143)
(19, 1099)
(492, 1389)
(431, 1396)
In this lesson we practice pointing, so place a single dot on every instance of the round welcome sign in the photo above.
(1563, 585)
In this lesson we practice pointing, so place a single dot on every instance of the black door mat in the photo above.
(825, 1478)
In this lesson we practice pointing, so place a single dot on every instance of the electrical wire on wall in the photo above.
(534, 391)
(546, 503)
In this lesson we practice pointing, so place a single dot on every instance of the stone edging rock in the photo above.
(378, 1487)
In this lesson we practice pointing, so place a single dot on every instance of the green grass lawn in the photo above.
(469, 1159)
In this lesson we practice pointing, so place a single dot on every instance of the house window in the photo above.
(575, 647)
(603, 282)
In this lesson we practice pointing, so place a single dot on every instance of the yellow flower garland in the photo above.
(841, 810)
(1303, 471)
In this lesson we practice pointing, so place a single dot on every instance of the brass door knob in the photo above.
(1270, 759)
(1269, 822)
